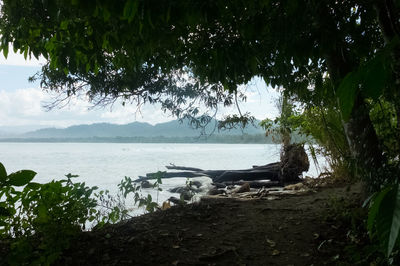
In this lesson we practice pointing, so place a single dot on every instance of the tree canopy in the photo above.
(178, 51)
(136, 47)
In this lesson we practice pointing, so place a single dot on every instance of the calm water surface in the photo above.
(105, 164)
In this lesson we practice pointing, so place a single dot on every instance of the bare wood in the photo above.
(264, 172)
(248, 176)
(174, 167)
(256, 184)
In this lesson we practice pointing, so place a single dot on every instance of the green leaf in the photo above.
(26, 53)
(3, 174)
(346, 94)
(42, 216)
(388, 219)
(5, 51)
(130, 10)
(34, 186)
(395, 224)
(374, 207)
(106, 14)
(64, 25)
(5, 212)
(374, 77)
(21, 178)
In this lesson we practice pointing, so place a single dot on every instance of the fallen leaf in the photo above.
(275, 252)
(166, 205)
(175, 246)
(271, 243)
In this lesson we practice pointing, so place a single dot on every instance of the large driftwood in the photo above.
(293, 162)
(248, 175)
(265, 172)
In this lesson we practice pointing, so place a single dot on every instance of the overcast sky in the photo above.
(21, 102)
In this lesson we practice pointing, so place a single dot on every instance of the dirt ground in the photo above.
(291, 230)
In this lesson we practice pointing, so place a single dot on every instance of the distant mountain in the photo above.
(136, 129)
(16, 130)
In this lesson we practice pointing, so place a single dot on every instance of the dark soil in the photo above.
(293, 230)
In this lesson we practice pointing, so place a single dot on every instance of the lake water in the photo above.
(105, 164)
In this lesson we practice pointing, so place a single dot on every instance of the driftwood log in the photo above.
(288, 170)
(270, 174)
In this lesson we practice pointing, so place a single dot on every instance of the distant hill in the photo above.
(136, 129)
(11, 131)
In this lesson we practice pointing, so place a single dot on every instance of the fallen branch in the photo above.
(174, 167)
(247, 175)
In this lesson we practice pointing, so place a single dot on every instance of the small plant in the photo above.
(189, 192)
(111, 209)
(127, 186)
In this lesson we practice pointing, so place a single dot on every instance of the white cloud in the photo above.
(17, 59)
(25, 107)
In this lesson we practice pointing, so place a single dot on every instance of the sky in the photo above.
(22, 103)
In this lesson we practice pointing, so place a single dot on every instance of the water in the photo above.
(105, 164)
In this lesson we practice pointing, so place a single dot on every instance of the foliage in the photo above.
(180, 52)
(42, 217)
(317, 125)
(232, 121)
(384, 218)
(286, 123)
(371, 77)
(324, 126)
(384, 117)
(349, 219)
(41, 220)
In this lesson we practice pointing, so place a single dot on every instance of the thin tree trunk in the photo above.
(360, 133)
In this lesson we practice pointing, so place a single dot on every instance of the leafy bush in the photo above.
(42, 217)
(40, 220)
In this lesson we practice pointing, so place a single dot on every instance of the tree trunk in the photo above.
(363, 141)
(361, 136)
